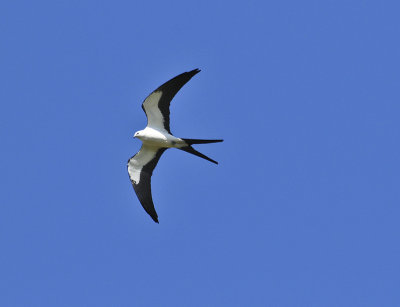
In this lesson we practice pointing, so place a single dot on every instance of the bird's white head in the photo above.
(138, 134)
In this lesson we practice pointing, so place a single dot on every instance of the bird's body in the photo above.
(157, 138)
(154, 137)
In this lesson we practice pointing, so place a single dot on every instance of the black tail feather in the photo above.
(199, 141)
(193, 151)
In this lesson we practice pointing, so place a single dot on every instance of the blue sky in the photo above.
(303, 209)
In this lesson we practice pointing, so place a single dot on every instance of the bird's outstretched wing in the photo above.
(156, 105)
(140, 169)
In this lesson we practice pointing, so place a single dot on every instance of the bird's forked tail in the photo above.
(193, 151)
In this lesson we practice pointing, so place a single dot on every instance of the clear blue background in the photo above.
(303, 209)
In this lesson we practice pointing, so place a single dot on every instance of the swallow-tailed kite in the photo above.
(157, 138)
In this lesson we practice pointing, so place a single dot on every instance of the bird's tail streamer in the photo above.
(199, 141)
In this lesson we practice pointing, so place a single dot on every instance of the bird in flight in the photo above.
(157, 138)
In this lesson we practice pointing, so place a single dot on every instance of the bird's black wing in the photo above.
(140, 169)
(156, 105)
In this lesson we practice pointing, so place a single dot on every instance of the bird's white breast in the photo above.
(160, 138)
